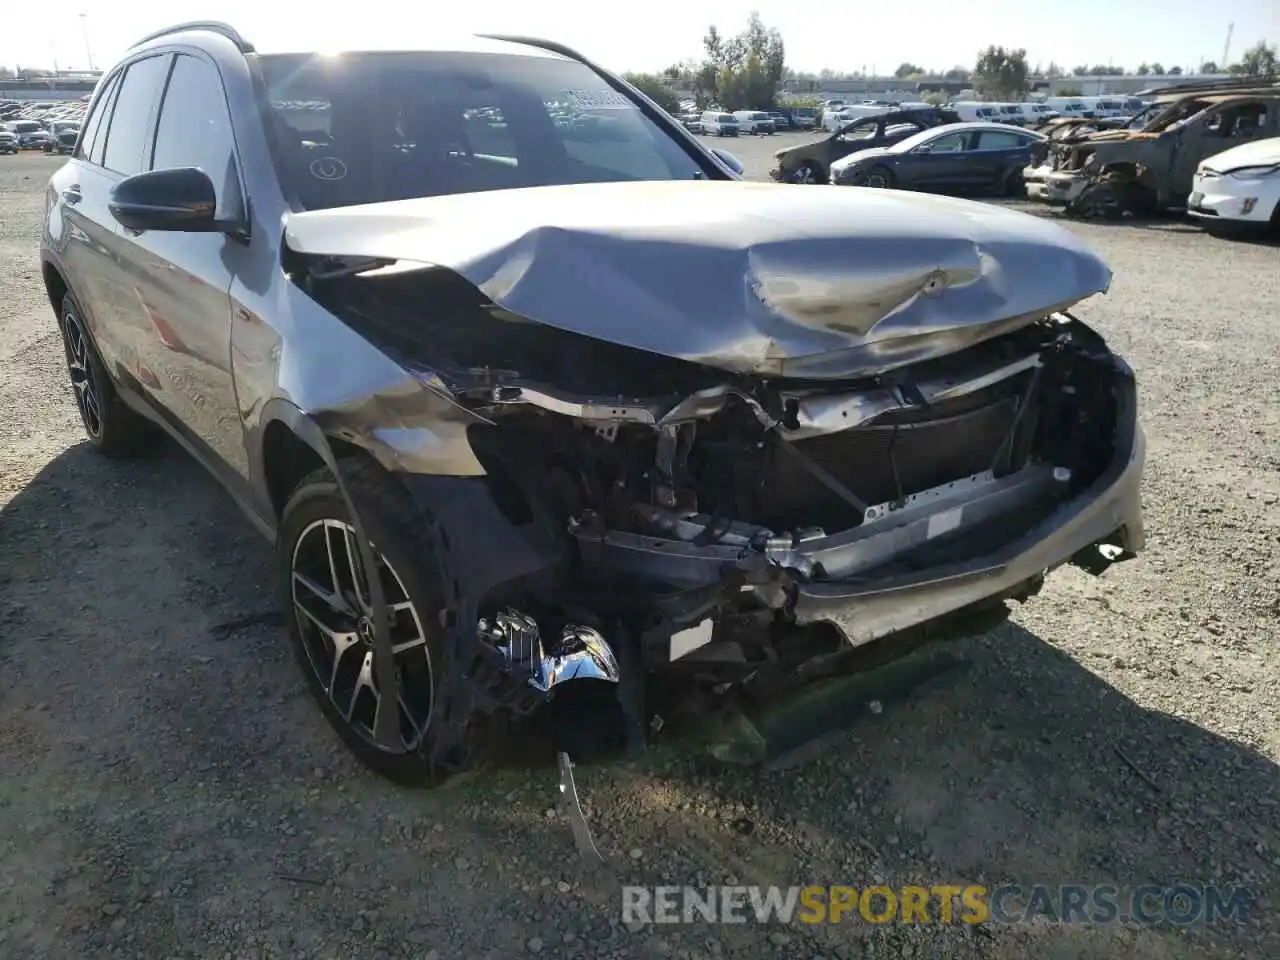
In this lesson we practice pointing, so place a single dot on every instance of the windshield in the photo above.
(1175, 113)
(374, 127)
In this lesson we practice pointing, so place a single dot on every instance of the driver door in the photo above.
(939, 163)
(1219, 128)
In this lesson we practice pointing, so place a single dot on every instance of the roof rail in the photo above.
(1208, 86)
(211, 26)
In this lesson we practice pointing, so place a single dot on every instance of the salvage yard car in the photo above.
(520, 427)
(1149, 170)
(987, 157)
(811, 162)
(1239, 186)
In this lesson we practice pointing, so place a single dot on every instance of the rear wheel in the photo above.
(329, 615)
(110, 425)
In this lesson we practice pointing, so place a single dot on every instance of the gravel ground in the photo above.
(167, 789)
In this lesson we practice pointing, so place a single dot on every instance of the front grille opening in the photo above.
(894, 456)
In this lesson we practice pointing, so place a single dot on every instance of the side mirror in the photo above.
(732, 162)
(924, 148)
(181, 199)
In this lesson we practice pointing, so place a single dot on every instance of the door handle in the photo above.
(72, 194)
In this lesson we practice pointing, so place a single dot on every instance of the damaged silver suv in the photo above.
(536, 397)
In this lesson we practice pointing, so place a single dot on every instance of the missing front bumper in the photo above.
(840, 579)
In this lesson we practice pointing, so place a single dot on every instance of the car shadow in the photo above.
(156, 736)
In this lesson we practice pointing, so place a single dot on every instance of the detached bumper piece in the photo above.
(521, 674)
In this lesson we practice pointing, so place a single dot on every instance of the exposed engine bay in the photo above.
(719, 516)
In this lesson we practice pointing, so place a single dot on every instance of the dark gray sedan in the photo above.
(957, 157)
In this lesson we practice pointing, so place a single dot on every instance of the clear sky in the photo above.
(649, 34)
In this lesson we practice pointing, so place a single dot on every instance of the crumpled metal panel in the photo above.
(751, 278)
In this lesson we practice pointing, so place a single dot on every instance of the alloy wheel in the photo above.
(335, 623)
(877, 180)
(83, 381)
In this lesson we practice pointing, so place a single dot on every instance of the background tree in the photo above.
(906, 69)
(957, 73)
(1157, 68)
(743, 72)
(1175, 71)
(1209, 67)
(1258, 61)
(1071, 92)
(1081, 71)
(1001, 72)
(1143, 69)
(655, 88)
(5, 73)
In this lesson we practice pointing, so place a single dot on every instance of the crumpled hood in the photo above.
(796, 149)
(1259, 153)
(748, 277)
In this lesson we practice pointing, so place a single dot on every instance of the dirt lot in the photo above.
(168, 790)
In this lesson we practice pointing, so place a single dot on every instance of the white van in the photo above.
(1105, 107)
(1040, 112)
(754, 121)
(1011, 113)
(970, 110)
(1071, 106)
(717, 123)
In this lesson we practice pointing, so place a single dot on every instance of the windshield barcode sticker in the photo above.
(596, 100)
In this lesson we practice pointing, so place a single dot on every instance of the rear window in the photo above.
(373, 127)
(726, 118)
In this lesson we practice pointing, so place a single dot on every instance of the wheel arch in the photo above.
(283, 457)
(55, 284)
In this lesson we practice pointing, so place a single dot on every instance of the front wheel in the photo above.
(329, 615)
(809, 172)
(880, 177)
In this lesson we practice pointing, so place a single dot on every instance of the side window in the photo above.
(861, 131)
(999, 140)
(194, 129)
(952, 143)
(127, 136)
(108, 108)
(93, 124)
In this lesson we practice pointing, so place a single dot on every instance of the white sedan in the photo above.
(1241, 185)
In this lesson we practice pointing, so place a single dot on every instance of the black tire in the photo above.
(809, 172)
(117, 431)
(401, 536)
(1014, 185)
(881, 177)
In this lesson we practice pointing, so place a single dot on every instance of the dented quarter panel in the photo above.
(765, 279)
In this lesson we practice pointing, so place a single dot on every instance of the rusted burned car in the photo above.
(520, 427)
(1148, 170)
